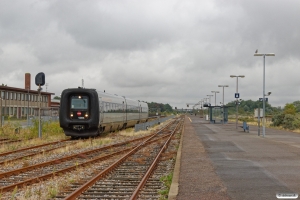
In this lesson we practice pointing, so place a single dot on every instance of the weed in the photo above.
(52, 191)
(26, 164)
(28, 193)
(38, 192)
(13, 194)
(167, 180)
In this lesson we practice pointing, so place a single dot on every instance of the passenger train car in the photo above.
(87, 112)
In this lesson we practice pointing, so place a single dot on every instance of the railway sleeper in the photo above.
(108, 192)
(105, 197)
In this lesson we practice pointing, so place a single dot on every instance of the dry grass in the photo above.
(131, 133)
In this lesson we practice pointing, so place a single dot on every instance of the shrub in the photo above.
(291, 122)
(277, 120)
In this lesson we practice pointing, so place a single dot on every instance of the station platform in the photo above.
(218, 161)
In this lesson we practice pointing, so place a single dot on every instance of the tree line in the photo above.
(287, 117)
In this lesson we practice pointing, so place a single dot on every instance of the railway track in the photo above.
(136, 174)
(22, 153)
(8, 141)
(41, 171)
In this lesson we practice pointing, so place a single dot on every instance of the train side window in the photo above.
(113, 107)
(106, 107)
(109, 107)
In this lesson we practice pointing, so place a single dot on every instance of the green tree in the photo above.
(291, 122)
(159, 107)
(57, 97)
(297, 105)
(289, 108)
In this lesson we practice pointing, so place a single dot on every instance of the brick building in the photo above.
(17, 101)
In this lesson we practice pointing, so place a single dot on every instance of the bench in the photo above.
(245, 127)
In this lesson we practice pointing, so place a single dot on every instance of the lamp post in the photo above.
(223, 101)
(209, 96)
(215, 95)
(237, 92)
(264, 94)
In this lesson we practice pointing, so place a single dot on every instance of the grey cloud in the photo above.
(112, 24)
(168, 51)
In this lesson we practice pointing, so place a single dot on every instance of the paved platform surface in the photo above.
(221, 162)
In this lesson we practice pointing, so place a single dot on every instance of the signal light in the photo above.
(78, 113)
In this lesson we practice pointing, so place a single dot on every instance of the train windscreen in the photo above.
(79, 102)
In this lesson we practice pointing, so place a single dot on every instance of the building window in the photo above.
(15, 96)
(11, 95)
(22, 97)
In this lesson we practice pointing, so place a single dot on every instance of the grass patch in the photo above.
(167, 180)
(51, 131)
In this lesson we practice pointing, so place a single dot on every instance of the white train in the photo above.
(87, 112)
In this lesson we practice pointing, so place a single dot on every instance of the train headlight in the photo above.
(71, 114)
(86, 115)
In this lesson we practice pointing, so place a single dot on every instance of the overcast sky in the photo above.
(169, 51)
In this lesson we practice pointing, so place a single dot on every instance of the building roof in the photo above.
(23, 90)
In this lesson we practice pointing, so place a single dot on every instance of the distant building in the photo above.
(18, 101)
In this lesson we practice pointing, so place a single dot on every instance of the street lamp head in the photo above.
(241, 76)
(223, 86)
(264, 54)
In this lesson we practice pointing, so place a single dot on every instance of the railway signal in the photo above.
(40, 81)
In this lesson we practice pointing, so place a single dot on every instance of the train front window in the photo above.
(79, 102)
